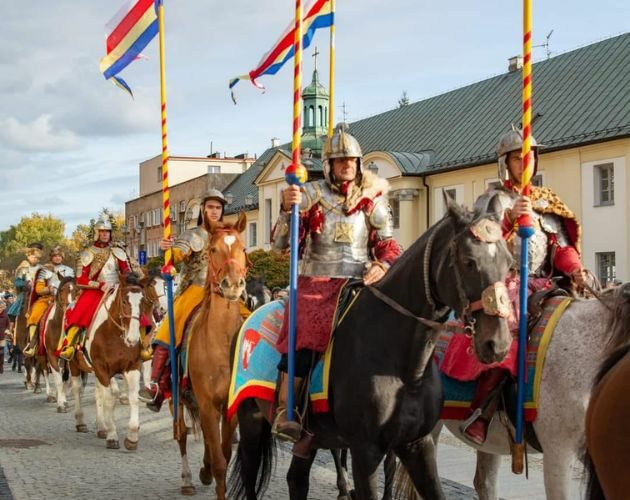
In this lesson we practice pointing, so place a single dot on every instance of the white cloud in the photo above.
(38, 135)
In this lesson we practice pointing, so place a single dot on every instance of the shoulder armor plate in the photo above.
(312, 195)
(551, 223)
(381, 214)
(86, 257)
(119, 253)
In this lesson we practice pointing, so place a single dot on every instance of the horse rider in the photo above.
(101, 265)
(42, 295)
(346, 232)
(554, 251)
(24, 275)
(190, 248)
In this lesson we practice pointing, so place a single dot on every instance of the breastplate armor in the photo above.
(341, 248)
(195, 268)
(64, 271)
(109, 272)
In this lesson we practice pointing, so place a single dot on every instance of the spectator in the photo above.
(4, 329)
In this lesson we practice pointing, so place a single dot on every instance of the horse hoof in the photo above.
(112, 444)
(124, 400)
(188, 490)
(37, 390)
(82, 428)
(62, 409)
(51, 399)
(205, 476)
(131, 445)
(101, 434)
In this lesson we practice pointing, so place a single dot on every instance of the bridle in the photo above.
(217, 273)
(119, 298)
(494, 300)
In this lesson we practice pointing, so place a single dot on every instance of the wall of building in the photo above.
(182, 169)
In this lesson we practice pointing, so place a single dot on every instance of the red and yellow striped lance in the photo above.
(527, 153)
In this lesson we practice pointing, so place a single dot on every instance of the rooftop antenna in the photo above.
(344, 111)
(546, 44)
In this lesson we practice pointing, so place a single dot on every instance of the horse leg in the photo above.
(50, 398)
(109, 406)
(487, 476)
(210, 423)
(60, 389)
(187, 488)
(342, 473)
(421, 464)
(365, 462)
(133, 385)
(227, 433)
(298, 476)
(101, 430)
(557, 461)
(78, 411)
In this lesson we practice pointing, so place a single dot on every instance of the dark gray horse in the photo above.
(385, 392)
(255, 292)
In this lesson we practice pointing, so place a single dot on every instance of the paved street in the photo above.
(42, 457)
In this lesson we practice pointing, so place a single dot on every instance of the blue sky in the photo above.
(70, 142)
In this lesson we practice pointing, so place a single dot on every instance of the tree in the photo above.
(404, 100)
(272, 265)
(44, 229)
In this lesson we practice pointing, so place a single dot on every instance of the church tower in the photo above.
(315, 125)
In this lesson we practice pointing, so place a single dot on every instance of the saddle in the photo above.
(536, 302)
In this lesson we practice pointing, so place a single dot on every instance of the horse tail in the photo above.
(255, 455)
(593, 487)
(404, 488)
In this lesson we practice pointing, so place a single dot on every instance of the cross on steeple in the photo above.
(315, 54)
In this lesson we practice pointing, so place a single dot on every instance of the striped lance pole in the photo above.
(295, 174)
(168, 271)
(525, 223)
(331, 73)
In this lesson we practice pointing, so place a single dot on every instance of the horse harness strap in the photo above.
(437, 313)
(394, 305)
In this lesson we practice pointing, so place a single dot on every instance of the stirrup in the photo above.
(69, 358)
(153, 398)
(292, 429)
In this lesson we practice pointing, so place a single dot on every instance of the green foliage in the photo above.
(155, 262)
(44, 229)
(404, 100)
(273, 266)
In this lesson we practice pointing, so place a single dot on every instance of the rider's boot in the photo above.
(29, 350)
(146, 353)
(68, 344)
(483, 405)
(153, 395)
(282, 428)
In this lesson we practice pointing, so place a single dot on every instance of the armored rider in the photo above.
(24, 275)
(190, 248)
(102, 263)
(47, 280)
(346, 232)
(553, 251)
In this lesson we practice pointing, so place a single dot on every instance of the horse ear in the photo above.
(495, 208)
(454, 209)
(241, 223)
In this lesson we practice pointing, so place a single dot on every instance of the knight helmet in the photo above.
(34, 249)
(513, 141)
(56, 251)
(102, 225)
(211, 194)
(341, 145)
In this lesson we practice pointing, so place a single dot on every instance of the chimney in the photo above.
(275, 142)
(515, 63)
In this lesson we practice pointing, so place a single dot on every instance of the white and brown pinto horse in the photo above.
(112, 346)
(209, 369)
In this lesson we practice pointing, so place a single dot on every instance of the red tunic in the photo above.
(83, 311)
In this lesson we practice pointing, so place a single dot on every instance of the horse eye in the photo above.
(213, 250)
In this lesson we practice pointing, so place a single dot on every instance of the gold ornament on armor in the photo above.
(344, 233)
(99, 261)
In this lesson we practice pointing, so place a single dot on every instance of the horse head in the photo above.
(255, 288)
(477, 263)
(126, 307)
(227, 260)
(155, 302)
(66, 292)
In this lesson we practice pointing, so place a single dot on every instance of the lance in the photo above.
(168, 271)
(331, 73)
(525, 223)
(296, 175)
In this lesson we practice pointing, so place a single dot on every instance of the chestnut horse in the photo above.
(31, 370)
(608, 413)
(53, 325)
(112, 346)
(209, 366)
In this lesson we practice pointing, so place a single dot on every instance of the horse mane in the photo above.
(619, 323)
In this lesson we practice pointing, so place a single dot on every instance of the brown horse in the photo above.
(52, 323)
(112, 346)
(31, 371)
(608, 414)
(209, 367)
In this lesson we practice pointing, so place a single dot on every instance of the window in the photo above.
(252, 234)
(395, 204)
(214, 169)
(146, 218)
(606, 267)
(604, 184)
(439, 206)
(182, 206)
(537, 180)
(159, 176)
(268, 220)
